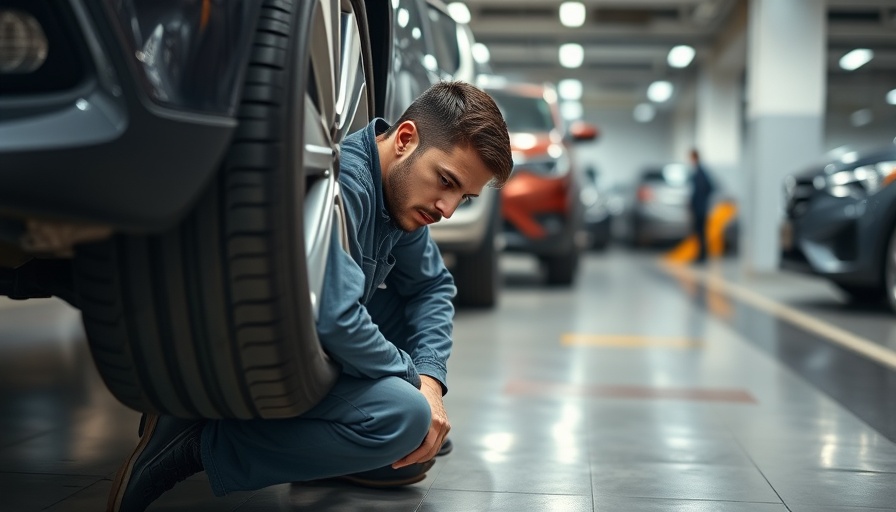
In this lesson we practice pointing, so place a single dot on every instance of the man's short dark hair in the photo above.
(457, 114)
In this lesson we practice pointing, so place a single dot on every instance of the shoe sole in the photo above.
(124, 472)
(385, 484)
(445, 449)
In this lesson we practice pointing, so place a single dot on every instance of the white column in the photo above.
(786, 84)
(720, 126)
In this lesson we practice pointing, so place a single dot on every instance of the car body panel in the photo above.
(121, 148)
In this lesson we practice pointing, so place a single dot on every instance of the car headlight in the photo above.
(23, 44)
(860, 182)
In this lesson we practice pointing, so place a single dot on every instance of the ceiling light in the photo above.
(572, 14)
(680, 56)
(481, 53)
(891, 97)
(571, 110)
(459, 11)
(856, 59)
(660, 91)
(570, 89)
(571, 55)
(403, 17)
(644, 113)
(706, 11)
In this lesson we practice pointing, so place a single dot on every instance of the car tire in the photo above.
(861, 295)
(560, 270)
(477, 275)
(890, 270)
(216, 317)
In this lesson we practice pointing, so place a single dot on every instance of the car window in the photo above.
(671, 175)
(524, 113)
(444, 37)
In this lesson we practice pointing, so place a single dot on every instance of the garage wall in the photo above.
(625, 145)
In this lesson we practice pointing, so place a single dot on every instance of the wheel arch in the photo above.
(379, 23)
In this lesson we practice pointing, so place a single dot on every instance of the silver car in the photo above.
(656, 207)
(428, 46)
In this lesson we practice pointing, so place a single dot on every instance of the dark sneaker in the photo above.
(386, 476)
(168, 452)
(446, 448)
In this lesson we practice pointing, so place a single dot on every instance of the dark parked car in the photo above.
(840, 223)
(541, 203)
(169, 168)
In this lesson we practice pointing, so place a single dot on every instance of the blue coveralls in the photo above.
(386, 317)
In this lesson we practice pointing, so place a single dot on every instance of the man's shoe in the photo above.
(386, 476)
(446, 448)
(168, 452)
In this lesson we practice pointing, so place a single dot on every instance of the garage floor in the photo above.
(643, 388)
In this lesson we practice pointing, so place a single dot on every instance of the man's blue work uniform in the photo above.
(386, 317)
(701, 192)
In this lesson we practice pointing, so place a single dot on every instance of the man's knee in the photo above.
(405, 418)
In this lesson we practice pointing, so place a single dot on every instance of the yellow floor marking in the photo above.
(831, 332)
(627, 341)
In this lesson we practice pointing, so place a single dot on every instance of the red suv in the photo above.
(540, 205)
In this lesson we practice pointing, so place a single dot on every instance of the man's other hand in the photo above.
(438, 429)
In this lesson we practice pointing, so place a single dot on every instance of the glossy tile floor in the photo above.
(643, 388)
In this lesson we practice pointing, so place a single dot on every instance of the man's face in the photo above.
(422, 190)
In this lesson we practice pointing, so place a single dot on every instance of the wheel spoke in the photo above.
(352, 85)
(337, 103)
(325, 57)
(319, 178)
(318, 149)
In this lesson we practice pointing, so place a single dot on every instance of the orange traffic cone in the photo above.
(718, 219)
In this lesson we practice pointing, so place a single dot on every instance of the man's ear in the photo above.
(406, 138)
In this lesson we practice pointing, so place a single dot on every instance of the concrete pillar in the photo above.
(719, 134)
(786, 87)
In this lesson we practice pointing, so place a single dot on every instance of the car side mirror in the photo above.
(581, 131)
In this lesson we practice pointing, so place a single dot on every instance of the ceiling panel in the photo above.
(626, 41)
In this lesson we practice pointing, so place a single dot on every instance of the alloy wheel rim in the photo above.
(336, 104)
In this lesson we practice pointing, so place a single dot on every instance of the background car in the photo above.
(840, 221)
(656, 207)
(429, 46)
(541, 203)
(170, 168)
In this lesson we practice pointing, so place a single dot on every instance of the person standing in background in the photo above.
(701, 191)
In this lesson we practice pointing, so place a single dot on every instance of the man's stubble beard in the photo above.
(397, 191)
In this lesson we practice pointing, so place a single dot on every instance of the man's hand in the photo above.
(438, 429)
